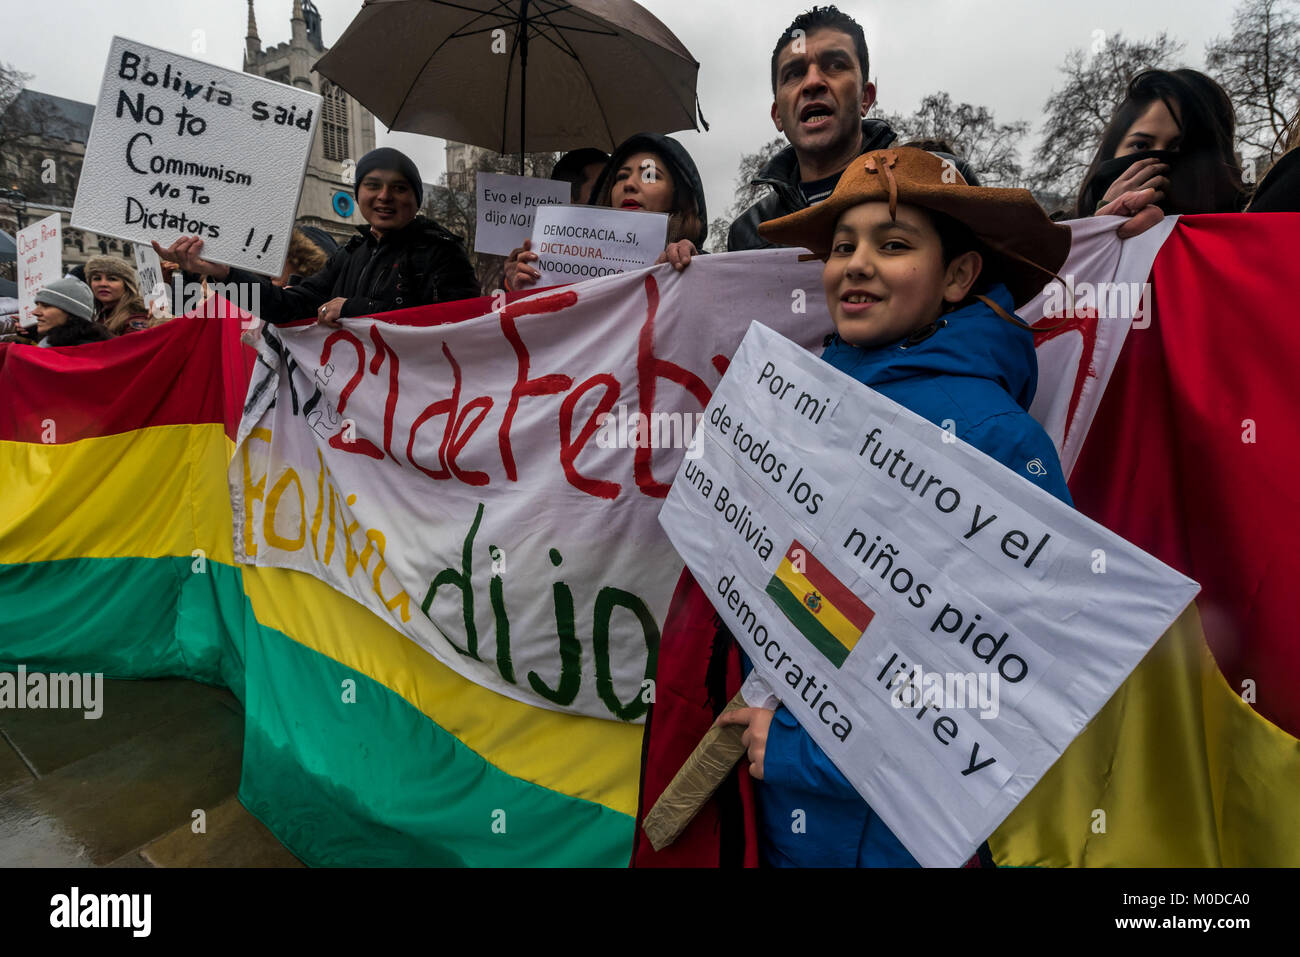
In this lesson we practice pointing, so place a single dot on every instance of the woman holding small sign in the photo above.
(648, 173)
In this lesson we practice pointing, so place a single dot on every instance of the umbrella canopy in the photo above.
(8, 248)
(517, 75)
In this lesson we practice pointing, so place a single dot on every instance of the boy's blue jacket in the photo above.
(980, 372)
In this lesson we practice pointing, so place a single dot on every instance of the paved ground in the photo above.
(121, 790)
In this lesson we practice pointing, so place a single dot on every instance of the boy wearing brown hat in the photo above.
(922, 274)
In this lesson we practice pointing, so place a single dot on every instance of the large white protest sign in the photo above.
(40, 261)
(491, 486)
(506, 206)
(181, 147)
(583, 242)
(940, 626)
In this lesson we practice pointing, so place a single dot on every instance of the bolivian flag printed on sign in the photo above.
(818, 604)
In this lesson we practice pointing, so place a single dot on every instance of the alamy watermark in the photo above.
(658, 430)
(76, 910)
(942, 690)
(236, 300)
(1104, 300)
(41, 690)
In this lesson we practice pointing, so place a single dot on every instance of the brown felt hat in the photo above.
(1023, 248)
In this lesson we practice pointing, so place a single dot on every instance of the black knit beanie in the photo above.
(385, 157)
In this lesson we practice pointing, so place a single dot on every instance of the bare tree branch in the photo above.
(1077, 112)
(991, 148)
(1259, 67)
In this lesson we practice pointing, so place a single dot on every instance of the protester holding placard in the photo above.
(118, 305)
(922, 272)
(398, 259)
(647, 173)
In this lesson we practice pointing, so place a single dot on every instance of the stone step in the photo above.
(233, 838)
(51, 738)
(92, 809)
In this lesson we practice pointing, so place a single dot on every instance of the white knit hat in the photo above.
(69, 294)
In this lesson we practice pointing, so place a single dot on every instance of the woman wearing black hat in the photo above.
(647, 173)
(397, 260)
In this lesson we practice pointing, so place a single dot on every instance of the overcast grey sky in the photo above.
(1003, 54)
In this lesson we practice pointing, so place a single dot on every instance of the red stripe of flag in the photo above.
(1195, 449)
(829, 587)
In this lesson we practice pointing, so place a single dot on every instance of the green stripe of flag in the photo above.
(808, 625)
(373, 781)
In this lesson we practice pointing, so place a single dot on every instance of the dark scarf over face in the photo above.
(76, 331)
(1198, 182)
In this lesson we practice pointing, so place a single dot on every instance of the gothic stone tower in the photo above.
(346, 130)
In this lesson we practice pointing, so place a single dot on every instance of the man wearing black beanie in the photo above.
(397, 260)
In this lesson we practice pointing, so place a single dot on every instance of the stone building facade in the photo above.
(345, 132)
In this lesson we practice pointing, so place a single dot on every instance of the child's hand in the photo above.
(755, 722)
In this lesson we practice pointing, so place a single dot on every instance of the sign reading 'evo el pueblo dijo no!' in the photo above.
(181, 147)
(506, 206)
(940, 626)
(574, 243)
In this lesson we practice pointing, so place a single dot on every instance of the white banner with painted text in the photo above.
(489, 482)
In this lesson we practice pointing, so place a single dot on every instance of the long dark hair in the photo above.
(1207, 178)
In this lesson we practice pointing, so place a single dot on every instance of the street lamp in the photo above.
(16, 201)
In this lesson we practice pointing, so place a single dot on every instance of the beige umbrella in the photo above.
(517, 75)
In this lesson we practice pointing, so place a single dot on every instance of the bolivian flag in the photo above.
(1194, 456)
(116, 555)
(818, 604)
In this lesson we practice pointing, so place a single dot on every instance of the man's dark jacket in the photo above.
(421, 263)
(785, 197)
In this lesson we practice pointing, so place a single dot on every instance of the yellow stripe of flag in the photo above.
(827, 615)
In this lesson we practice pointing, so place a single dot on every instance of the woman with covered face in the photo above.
(1167, 149)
